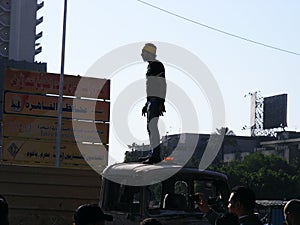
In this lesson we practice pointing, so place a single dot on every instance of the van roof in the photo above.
(138, 174)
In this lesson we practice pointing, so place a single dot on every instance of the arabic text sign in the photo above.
(30, 152)
(38, 105)
(48, 83)
(46, 129)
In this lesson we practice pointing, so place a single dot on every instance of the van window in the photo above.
(213, 193)
(170, 195)
(121, 198)
(181, 187)
(154, 192)
(206, 187)
(128, 198)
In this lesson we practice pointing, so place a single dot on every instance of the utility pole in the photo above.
(61, 89)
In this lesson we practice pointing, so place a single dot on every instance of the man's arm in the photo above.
(211, 214)
(144, 110)
(162, 108)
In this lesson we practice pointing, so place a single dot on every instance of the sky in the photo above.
(95, 28)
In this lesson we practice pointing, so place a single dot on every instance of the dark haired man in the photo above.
(90, 214)
(292, 212)
(241, 203)
(3, 211)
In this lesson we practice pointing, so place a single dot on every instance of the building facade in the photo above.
(18, 33)
(182, 147)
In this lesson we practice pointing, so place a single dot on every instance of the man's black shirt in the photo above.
(156, 82)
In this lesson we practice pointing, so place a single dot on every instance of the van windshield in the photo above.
(174, 194)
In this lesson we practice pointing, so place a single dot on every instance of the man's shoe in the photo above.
(152, 160)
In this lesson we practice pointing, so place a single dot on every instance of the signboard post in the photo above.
(61, 87)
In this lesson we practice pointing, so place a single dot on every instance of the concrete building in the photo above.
(286, 145)
(18, 36)
(18, 40)
(232, 148)
(182, 147)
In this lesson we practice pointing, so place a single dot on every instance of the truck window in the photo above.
(213, 192)
(154, 192)
(121, 198)
(205, 187)
(181, 187)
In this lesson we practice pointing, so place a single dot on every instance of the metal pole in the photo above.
(61, 88)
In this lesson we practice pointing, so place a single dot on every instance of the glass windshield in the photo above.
(172, 194)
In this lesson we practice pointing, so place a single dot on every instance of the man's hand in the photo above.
(162, 109)
(202, 203)
(144, 110)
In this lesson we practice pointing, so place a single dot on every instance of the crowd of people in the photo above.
(240, 206)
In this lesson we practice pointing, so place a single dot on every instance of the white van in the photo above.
(132, 192)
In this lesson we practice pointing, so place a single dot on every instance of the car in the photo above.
(132, 192)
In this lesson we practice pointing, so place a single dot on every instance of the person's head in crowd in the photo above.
(228, 219)
(241, 201)
(90, 214)
(292, 212)
(150, 221)
(3, 211)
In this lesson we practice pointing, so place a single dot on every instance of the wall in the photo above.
(46, 196)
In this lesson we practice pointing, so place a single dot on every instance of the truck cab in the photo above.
(166, 192)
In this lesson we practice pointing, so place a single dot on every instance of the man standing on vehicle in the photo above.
(241, 203)
(155, 105)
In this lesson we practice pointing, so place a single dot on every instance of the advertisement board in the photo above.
(46, 106)
(16, 126)
(48, 83)
(34, 152)
(275, 111)
(30, 119)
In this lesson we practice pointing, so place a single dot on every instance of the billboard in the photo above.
(48, 83)
(45, 129)
(47, 106)
(34, 152)
(275, 111)
(30, 112)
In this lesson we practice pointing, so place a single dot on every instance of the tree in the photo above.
(271, 177)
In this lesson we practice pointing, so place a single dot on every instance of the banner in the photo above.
(46, 129)
(30, 152)
(48, 83)
(39, 105)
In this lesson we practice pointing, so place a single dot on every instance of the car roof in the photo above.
(138, 174)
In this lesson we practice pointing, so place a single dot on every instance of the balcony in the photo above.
(4, 34)
(5, 5)
(4, 49)
(4, 19)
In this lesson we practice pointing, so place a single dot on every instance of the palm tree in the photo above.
(227, 132)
